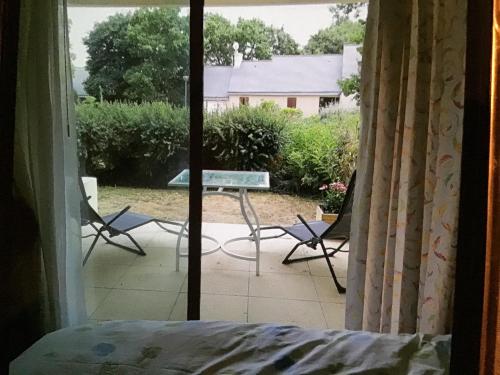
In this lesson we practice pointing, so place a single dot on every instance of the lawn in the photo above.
(172, 204)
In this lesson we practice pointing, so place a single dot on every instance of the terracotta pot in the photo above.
(326, 217)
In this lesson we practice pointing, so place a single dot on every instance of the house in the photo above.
(305, 82)
(25, 268)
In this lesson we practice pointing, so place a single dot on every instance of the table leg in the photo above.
(255, 233)
(178, 247)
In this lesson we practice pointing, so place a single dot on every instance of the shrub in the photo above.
(243, 138)
(318, 151)
(146, 144)
(131, 144)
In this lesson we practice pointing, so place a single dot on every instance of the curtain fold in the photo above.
(405, 216)
(45, 159)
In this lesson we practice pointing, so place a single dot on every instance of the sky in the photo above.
(300, 21)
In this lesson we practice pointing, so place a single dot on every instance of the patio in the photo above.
(122, 285)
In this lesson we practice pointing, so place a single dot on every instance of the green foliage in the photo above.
(219, 36)
(131, 144)
(139, 56)
(332, 39)
(243, 138)
(347, 11)
(146, 144)
(283, 43)
(256, 40)
(318, 151)
(333, 196)
(351, 86)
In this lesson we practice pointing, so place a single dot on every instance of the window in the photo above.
(244, 100)
(328, 101)
(291, 103)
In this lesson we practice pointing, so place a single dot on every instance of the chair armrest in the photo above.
(118, 215)
(307, 226)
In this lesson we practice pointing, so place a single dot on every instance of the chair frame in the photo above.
(112, 231)
(316, 239)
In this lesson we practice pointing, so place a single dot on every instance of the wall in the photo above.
(348, 103)
(215, 105)
(309, 105)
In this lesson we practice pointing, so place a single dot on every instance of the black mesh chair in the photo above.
(116, 224)
(313, 233)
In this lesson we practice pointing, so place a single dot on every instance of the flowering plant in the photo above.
(333, 196)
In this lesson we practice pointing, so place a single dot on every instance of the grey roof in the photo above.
(314, 74)
(79, 76)
(216, 81)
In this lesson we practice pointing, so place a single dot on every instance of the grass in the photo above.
(172, 204)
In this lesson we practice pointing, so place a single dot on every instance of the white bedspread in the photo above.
(155, 347)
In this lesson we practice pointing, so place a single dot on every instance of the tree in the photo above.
(139, 57)
(283, 43)
(256, 40)
(107, 48)
(346, 12)
(351, 86)
(219, 36)
(333, 38)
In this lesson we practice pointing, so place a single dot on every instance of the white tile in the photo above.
(283, 286)
(164, 239)
(157, 256)
(108, 254)
(272, 262)
(234, 283)
(103, 275)
(94, 297)
(319, 267)
(179, 312)
(135, 304)
(152, 278)
(221, 261)
(334, 315)
(305, 314)
(221, 307)
(327, 292)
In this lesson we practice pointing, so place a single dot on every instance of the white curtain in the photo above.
(45, 157)
(405, 215)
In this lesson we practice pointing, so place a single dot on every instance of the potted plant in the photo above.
(333, 196)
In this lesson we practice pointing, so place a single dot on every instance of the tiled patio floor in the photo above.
(121, 285)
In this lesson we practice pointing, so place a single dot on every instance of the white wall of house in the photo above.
(351, 60)
(309, 105)
(215, 105)
(348, 103)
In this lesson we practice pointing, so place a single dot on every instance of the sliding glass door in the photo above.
(134, 81)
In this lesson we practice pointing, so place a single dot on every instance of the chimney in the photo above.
(237, 57)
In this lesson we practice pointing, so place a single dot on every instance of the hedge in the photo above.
(132, 144)
(145, 145)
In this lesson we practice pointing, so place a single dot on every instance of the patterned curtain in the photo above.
(404, 230)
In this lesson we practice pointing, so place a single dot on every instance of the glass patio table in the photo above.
(242, 181)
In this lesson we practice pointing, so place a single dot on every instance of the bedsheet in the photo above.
(203, 347)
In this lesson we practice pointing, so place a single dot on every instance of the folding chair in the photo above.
(313, 233)
(116, 224)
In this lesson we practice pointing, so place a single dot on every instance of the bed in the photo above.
(202, 347)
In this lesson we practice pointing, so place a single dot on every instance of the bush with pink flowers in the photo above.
(333, 196)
